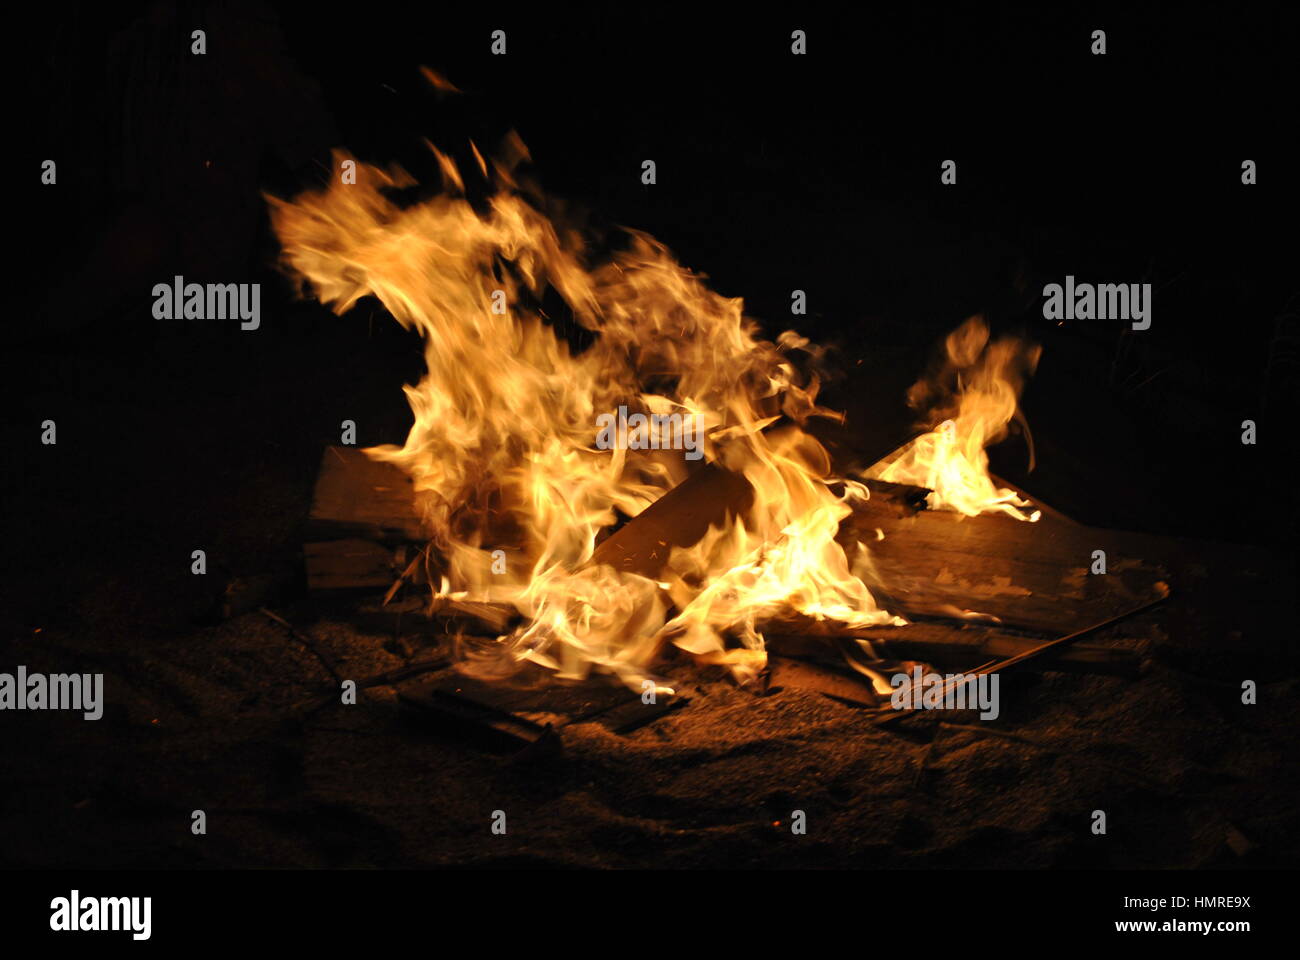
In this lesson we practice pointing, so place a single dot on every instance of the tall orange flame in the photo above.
(503, 453)
(973, 398)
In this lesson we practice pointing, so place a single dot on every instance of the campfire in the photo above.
(584, 509)
(704, 476)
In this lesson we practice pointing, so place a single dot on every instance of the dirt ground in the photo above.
(218, 723)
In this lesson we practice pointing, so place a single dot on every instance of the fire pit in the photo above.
(549, 537)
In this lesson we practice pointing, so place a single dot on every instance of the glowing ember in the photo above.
(504, 452)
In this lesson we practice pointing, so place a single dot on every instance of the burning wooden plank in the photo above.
(1036, 577)
(709, 497)
(929, 564)
(679, 518)
(932, 567)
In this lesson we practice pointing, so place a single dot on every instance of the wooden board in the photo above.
(357, 497)
(353, 563)
(1032, 576)
(995, 569)
(930, 564)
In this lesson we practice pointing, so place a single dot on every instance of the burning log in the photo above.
(708, 497)
(367, 509)
(362, 504)
(1043, 577)
(934, 567)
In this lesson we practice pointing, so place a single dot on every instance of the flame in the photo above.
(974, 397)
(503, 450)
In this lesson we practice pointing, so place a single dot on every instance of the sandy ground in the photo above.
(218, 723)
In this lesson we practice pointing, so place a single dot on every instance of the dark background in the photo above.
(775, 172)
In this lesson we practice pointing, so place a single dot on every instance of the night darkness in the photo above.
(775, 172)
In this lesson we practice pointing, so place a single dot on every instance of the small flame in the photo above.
(974, 397)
